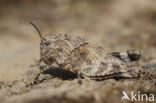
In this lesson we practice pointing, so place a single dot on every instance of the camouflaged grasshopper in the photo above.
(77, 55)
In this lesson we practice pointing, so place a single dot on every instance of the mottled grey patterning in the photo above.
(79, 56)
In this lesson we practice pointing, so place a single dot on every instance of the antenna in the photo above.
(36, 29)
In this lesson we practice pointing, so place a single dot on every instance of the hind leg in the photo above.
(110, 67)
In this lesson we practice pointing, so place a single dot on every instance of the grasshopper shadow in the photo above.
(60, 73)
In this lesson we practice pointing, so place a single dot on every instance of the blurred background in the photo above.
(117, 25)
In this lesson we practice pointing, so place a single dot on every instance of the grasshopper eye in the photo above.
(47, 43)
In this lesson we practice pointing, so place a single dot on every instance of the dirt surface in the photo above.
(117, 25)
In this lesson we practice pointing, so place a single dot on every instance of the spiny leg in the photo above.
(128, 56)
(110, 67)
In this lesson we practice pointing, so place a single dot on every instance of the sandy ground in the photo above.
(115, 25)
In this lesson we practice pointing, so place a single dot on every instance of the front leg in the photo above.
(34, 75)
